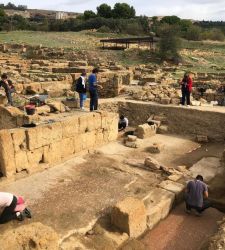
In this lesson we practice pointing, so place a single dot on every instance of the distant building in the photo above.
(61, 15)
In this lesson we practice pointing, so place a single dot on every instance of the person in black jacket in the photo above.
(81, 88)
(8, 87)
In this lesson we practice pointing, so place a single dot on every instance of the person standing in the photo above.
(8, 87)
(93, 89)
(196, 196)
(82, 89)
(186, 88)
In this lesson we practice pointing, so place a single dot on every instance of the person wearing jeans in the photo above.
(93, 89)
(82, 89)
(186, 88)
(8, 87)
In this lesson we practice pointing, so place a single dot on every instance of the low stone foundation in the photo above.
(34, 149)
(183, 121)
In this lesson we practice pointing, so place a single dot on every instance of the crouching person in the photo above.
(196, 196)
(12, 208)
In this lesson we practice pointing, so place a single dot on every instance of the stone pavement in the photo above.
(182, 231)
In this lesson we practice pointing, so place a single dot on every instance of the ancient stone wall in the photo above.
(179, 120)
(34, 149)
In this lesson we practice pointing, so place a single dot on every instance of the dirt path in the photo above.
(181, 231)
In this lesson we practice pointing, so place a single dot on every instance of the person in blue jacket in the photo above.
(93, 89)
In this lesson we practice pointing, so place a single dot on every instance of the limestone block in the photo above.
(35, 157)
(21, 160)
(152, 122)
(78, 143)
(88, 140)
(43, 109)
(70, 127)
(56, 106)
(158, 204)
(152, 164)
(53, 153)
(202, 138)
(72, 104)
(19, 139)
(67, 147)
(7, 157)
(175, 101)
(131, 138)
(129, 216)
(132, 144)
(156, 148)
(83, 124)
(174, 187)
(145, 131)
(165, 101)
(97, 120)
(163, 129)
(99, 139)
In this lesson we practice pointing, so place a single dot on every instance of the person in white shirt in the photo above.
(123, 123)
(12, 207)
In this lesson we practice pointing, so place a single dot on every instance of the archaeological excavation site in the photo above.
(92, 187)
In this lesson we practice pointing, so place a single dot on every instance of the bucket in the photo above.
(30, 109)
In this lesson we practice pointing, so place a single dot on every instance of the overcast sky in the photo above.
(192, 9)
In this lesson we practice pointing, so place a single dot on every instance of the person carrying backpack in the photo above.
(81, 88)
(186, 88)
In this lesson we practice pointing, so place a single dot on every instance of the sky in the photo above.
(190, 9)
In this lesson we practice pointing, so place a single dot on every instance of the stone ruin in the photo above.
(61, 132)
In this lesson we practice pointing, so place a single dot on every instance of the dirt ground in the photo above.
(72, 196)
(182, 231)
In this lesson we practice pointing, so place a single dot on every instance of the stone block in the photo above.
(129, 216)
(156, 148)
(145, 131)
(152, 122)
(174, 187)
(35, 157)
(67, 147)
(202, 138)
(70, 127)
(78, 144)
(131, 144)
(131, 138)
(19, 139)
(163, 129)
(158, 204)
(165, 101)
(99, 139)
(152, 164)
(53, 153)
(43, 109)
(21, 161)
(72, 104)
(7, 157)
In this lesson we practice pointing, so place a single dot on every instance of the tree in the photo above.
(169, 44)
(104, 10)
(193, 33)
(170, 20)
(123, 10)
(88, 14)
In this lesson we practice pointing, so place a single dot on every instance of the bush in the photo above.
(193, 33)
(104, 29)
(213, 34)
(169, 44)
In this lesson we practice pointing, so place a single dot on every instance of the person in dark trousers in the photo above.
(12, 208)
(8, 87)
(123, 123)
(196, 196)
(93, 89)
(186, 88)
(82, 89)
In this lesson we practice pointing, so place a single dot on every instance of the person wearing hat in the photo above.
(12, 208)
(8, 87)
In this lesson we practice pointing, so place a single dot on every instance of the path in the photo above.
(182, 231)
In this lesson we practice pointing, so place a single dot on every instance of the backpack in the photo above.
(78, 85)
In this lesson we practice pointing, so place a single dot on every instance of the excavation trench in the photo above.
(189, 232)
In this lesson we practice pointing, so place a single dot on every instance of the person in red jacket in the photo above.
(186, 88)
